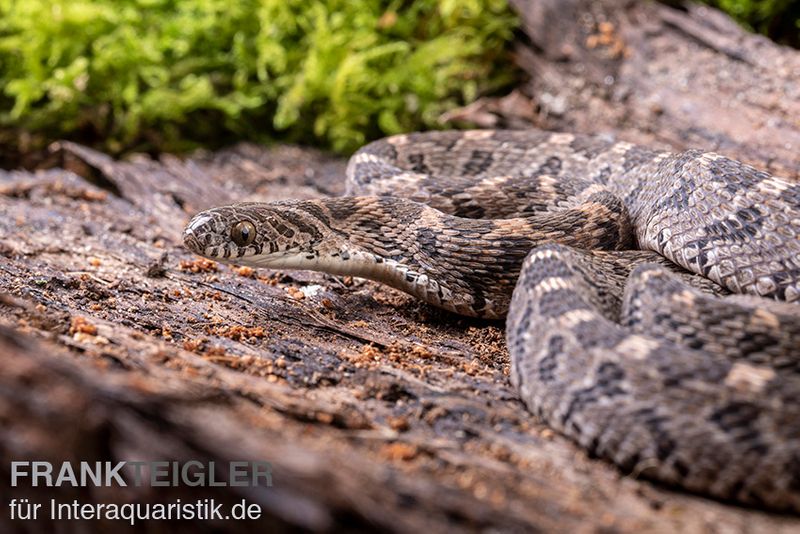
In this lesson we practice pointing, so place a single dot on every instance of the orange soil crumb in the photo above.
(83, 326)
(399, 451)
(237, 332)
(400, 424)
(194, 345)
(247, 272)
(295, 293)
(199, 265)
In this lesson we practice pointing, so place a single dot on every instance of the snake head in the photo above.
(276, 234)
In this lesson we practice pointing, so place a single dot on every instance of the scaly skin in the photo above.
(616, 348)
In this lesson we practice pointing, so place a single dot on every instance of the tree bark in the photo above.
(671, 77)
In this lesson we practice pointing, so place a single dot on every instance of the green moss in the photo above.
(161, 73)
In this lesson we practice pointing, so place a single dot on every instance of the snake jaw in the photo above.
(283, 237)
(203, 236)
(191, 240)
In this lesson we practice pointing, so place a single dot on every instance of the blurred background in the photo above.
(167, 75)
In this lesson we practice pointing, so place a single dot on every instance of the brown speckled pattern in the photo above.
(620, 258)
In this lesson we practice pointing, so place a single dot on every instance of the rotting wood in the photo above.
(649, 73)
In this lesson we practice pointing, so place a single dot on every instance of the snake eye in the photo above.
(243, 233)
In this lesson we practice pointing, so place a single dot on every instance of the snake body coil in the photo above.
(619, 258)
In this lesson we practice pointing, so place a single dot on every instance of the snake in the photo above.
(651, 298)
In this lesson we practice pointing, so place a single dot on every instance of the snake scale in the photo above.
(651, 297)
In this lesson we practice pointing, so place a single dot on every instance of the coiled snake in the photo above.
(619, 259)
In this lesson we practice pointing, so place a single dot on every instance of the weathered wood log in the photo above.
(673, 77)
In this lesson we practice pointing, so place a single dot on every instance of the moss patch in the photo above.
(167, 74)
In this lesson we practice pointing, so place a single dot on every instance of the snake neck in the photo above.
(467, 266)
(462, 265)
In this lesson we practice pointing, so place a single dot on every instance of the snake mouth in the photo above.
(191, 242)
